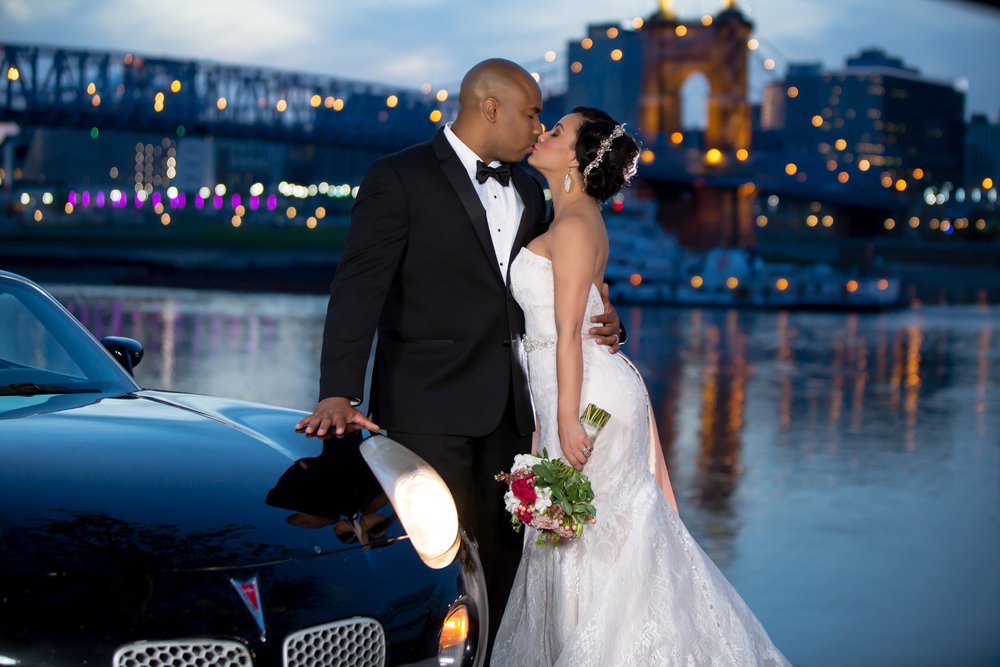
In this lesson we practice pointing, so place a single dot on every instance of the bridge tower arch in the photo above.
(716, 47)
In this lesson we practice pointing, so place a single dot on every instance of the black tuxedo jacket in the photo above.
(419, 267)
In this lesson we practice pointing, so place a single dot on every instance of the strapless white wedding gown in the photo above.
(635, 589)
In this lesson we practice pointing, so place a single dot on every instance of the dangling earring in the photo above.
(567, 183)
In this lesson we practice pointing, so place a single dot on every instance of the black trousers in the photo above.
(468, 466)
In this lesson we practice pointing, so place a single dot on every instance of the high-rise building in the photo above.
(876, 121)
(605, 70)
(982, 152)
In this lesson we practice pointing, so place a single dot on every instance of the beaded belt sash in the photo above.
(532, 344)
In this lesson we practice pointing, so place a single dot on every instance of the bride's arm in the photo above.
(573, 246)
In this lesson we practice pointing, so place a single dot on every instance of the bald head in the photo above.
(499, 103)
(495, 77)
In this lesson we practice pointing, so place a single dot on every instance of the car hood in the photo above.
(171, 481)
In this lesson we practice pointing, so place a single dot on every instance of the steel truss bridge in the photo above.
(59, 87)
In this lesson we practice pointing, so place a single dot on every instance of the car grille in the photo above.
(200, 652)
(356, 641)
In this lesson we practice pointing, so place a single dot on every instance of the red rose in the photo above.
(524, 490)
(524, 513)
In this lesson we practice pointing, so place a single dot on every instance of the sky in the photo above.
(410, 42)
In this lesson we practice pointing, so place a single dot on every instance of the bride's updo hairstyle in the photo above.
(603, 140)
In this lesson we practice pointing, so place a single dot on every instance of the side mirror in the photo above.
(126, 351)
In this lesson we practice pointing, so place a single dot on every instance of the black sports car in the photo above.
(143, 527)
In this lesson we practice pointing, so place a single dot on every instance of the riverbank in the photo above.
(301, 271)
(283, 259)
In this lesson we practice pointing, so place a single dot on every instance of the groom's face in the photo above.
(517, 125)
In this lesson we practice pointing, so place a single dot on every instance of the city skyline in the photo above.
(946, 40)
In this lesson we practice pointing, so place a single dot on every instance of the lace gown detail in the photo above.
(635, 589)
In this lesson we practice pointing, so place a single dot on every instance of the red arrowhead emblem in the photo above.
(250, 594)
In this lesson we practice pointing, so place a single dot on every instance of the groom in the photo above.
(426, 264)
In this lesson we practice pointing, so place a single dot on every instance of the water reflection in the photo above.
(982, 358)
(256, 347)
(838, 467)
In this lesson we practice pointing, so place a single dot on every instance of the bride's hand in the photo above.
(575, 444)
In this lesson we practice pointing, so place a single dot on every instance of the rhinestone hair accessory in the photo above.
(605, 146)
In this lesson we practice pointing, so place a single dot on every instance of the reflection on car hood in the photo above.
(176, 482)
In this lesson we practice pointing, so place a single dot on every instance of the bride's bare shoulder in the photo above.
(581, 223)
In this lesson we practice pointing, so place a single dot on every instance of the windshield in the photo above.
(44, 350)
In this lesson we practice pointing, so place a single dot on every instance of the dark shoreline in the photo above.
(306, 272)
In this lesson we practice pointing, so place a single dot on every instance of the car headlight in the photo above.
(420, 497)
(453, 644)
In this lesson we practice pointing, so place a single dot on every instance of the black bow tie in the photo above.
(501, 173)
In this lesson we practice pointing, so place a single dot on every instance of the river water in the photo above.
(843, 470)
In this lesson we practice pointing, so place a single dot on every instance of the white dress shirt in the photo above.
(502, 203)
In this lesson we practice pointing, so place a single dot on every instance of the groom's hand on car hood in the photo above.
(334, 416)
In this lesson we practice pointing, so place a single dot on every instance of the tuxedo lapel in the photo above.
(523, 183)
(456, 174)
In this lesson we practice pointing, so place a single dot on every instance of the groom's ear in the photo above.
(491, 109)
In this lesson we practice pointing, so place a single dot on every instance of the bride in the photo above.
(635, 589)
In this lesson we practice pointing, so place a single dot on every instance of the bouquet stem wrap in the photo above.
(594, 419)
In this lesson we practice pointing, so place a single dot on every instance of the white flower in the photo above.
(511, 502)
(525, 462)
(543, 498)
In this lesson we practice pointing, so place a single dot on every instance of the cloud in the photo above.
(25, 11)
(229, 30)
(409, 42)
(17, 11)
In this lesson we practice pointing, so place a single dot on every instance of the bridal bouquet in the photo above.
(550, 495)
